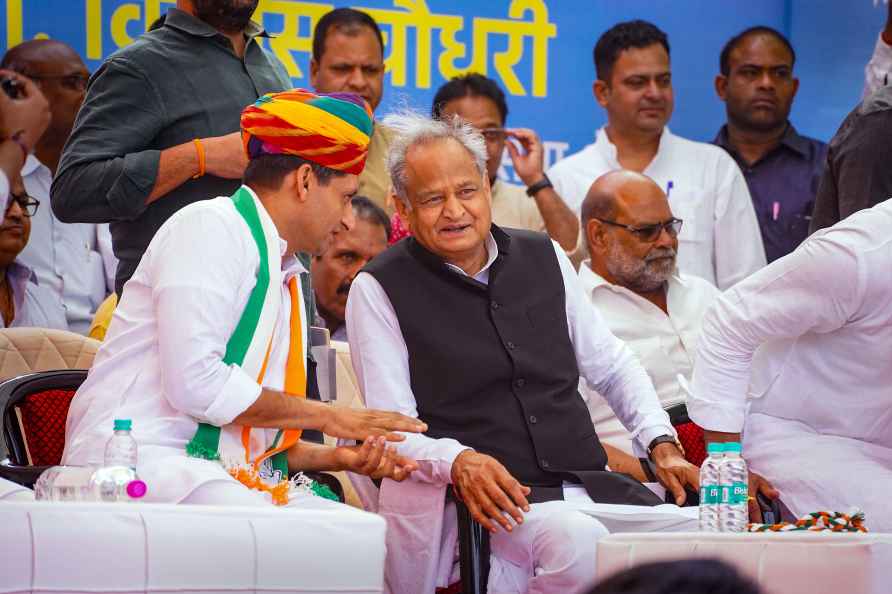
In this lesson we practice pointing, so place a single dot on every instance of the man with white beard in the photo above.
(633, 280)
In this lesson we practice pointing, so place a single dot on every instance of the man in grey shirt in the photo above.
(858, 173)
(159, 125)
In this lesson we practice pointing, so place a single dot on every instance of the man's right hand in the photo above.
(489, 490)
(27, 116)
(362, 424)
(225, 156)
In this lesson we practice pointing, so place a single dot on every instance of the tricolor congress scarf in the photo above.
(249, 348)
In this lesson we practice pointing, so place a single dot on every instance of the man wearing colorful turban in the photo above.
(207, 351)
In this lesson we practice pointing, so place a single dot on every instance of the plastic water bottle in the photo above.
(710, 491)
(115, 480)
(120, 449)
(733, 478)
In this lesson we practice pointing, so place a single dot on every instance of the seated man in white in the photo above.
(632, 279)
(798, 358)
(483, 333)
(207, 350)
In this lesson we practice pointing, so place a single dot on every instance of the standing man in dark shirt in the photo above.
(159, 125)
(859, 163)
(782, 168)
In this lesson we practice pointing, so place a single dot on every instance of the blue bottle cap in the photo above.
(123, 424)
(732, 447)
(715, 447)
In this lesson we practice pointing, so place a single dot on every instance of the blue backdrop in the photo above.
(538, 50)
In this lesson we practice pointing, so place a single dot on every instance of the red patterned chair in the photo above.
(34, 421)
(689, 434)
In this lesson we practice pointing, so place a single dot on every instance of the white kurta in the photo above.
(161, 364)
(665, 344)
(799, 356)
(720, 239)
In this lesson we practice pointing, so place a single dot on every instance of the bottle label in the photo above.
(710, 494)
(735, 493)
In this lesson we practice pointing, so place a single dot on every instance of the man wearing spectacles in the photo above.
(72, 260)
(633, 280)
(479, 101)
(22, 301)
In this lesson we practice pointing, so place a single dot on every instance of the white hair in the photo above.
(411, 128)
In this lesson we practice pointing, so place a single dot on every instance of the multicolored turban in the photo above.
(331, 129)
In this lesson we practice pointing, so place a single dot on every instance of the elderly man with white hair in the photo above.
(483, 333)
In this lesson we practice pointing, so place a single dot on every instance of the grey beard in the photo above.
(639, 276)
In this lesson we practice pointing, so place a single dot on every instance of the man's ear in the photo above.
(299, 182)
(595, 237)
(601, 91)
(314, 71)
(403, 211)
(721, 86)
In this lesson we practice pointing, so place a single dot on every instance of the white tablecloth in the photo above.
(187, 549)
(782, 563)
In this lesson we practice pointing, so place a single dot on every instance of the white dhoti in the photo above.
(821, 472)
(557, 542)
(10, 491)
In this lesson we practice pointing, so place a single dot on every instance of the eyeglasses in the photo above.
(493, 134)
(650, 233)
(74, 82)
(26, 203)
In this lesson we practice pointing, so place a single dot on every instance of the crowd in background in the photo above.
(669, 238)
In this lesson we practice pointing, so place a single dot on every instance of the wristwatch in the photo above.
(539, 186)
(664, 439)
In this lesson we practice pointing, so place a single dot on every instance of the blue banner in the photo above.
(539, 51)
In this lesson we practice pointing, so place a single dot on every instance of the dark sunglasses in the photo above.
(650, 233)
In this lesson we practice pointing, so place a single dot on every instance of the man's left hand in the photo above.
(674, 472)
(375, 459)
(527, 164)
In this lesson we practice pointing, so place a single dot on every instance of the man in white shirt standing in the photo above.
(720, 240)
(647, 303)
(70, 260)
(797, 358)
(451, 326)
(207, 350)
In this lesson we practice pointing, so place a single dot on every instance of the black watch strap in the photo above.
(662, 439)
(649, 470)
(539, 186)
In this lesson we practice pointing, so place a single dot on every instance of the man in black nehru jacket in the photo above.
(483, 333)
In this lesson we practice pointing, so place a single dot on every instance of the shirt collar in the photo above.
(608, 149)
(32, 164)
(492, 251)
(592, 281)
(791, 139)
(185, 22)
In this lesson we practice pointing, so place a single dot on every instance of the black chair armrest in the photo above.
(473, 549)
(23, 475)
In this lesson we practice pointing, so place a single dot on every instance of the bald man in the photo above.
(73, 261)
(633, 280)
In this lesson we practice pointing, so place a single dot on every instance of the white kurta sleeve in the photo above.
(198, 262)
(609, 366)
(878, 71)
(739, 251)
(814, 289)
(381, 362)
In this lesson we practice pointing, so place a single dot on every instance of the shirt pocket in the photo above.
(692, 207)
